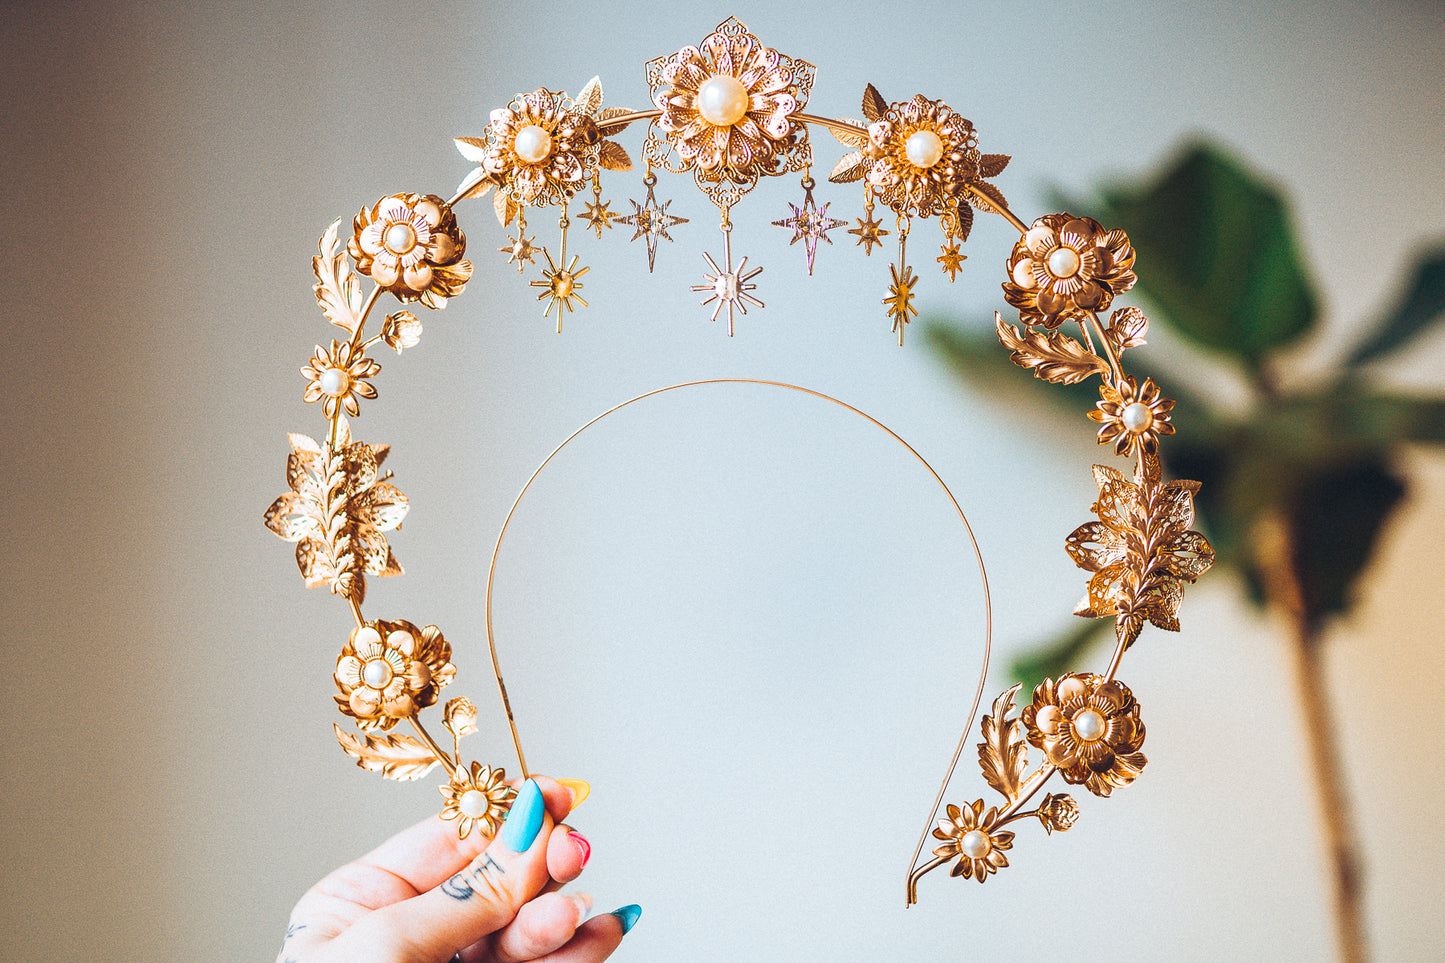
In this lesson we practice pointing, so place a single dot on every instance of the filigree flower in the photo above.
(728, 104)
(410, 244)
(1065, 267)
(971, 834)
(1141, 547)
(1132, 418)
(389, 671)
(1058, 813)
(477, 798)
(541, 150)
(337, 378)
(922, 155)
(1089, 729)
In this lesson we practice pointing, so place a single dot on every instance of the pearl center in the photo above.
(335, 382)
(400, 238)
(1089, 725)
(1137, 417)
(376, 673)
(975, 844)
(532, 144)
(473, 804)
(1064, 262)
(924, 149)
(722, 100)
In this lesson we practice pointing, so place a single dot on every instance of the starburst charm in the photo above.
(561, 285)
(900, 298)
(951, 260)
(598, 216)
(809, 223)
(869, 232)
(651, 220)
(729, 287)
(520, 251)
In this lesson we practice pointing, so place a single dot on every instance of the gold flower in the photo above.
(728, 105)
(922, 154)
(337, 378)
(480, 797)
(1066, 266)
(410, 245)
(1133, 418)
(972, 836)
(1089, 729)
(391, 670)
(539, 149)
(1058, 812)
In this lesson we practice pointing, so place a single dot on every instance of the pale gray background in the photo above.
(736, 612)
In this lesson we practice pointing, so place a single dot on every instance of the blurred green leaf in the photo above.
(1219, 255)
(1061, 655)
(1420, 307)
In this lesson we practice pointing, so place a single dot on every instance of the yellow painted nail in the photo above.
(579, 788)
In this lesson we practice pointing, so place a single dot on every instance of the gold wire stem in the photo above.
(919, 873)
(442, 757)
(361, 318)
(1108, 346)
(355, 611)
(999, 209)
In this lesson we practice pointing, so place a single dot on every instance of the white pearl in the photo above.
(473, 804)
(1137, 417)
(722, 100)
(1064, 262)
(975, 844)
(376, 673)
(335, 382)
(400, 238)
(924, 149)
(1023, 274)
(365, 636)
(402, 641)
(532, 144)
(1089, 725)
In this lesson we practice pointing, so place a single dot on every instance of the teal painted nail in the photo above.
(525, 819)
(628, 916)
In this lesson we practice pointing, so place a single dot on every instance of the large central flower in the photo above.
(1065, 267)
(923, 154)
(1089, 729)
(388, 671)
(540, 149)
(410, 245)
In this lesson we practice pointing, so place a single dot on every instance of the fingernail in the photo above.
(628, 916)
(579, 789)
(524, 821)
(583, 902)
(583, 846)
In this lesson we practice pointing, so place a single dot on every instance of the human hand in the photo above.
(425, 896)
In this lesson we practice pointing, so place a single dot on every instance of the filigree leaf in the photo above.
(314, 559)
(856, 139)
(397, 756)
(874, 106)
(1053, 355)
(294, 516)
(460, 717)
(589, 101)
(382, 506)
(337, 290)
(850, 167)
(473, 149)
(475, 184)
(613, 156)
(1002, 755)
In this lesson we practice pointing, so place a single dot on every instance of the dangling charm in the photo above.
(951, 260)
(726, 286)
(809, 223)
(520, 252)
(651, 219)
(900, 294)
(597, 215)
(869, 231)
(561, 281)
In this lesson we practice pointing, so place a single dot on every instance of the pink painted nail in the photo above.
(583, 846)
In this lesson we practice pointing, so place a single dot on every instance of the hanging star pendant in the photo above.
(651, 220)
(561, 285)
(727, 287)
(899, 300)
(869, 233)
(598, 216)
(951, 260)
(520, 251)
(810, 224)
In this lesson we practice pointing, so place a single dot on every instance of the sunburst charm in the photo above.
(951, 260)
(810, 224)
(520, 251)
(869, 233)
(729, 288)
(598, 217)
(900, 298)
(561, 285)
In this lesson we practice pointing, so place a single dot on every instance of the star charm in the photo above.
(899, 300)
(561, 285)
(598, 216)
(869, 233)
(728, 287)
(520, 251)
(810, 224)
(651, 220)
(951, 260)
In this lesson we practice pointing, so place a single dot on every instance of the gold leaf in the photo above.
(992, 165)
(850, 167)
(605, 115)
(856, 139)
(989, 191)
(337, 289)
(1053, 355)
(475, 184)
(1002, 755)
(590, 99)
(460, 717)
(473, 149)
(505, 207)
(397, 756)
(294, 517)
(314, 560)
(874, 106)
(965, 222)
(612, 156)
